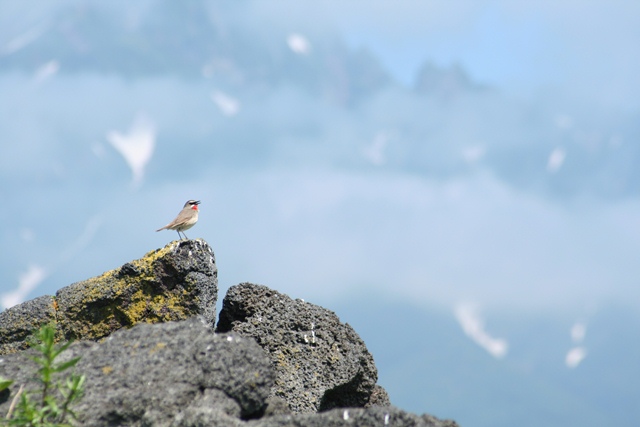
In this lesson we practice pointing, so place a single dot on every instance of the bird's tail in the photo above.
(163, 228)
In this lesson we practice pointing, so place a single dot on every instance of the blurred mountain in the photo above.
(446, 125)
(445, 83)
(191, 41)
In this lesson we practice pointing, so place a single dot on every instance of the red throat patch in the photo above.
(194, 207)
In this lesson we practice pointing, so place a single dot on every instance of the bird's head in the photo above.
(193, 204)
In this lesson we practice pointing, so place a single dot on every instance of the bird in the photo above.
(186, 219)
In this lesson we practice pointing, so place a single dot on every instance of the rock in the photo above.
(170, 374)
(320, 363)
(277, 406)
(379, 397)
(354, 417)
(18, 323)
(273, 361)
(168, 284)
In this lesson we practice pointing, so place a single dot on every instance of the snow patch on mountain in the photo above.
(473, 326)
(299, 44)
(227, 105)
(576, 354)
(136, 146)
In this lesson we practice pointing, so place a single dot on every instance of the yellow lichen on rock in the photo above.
(155, 288)
(172, 283)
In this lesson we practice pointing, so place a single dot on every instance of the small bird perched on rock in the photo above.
(186, 219)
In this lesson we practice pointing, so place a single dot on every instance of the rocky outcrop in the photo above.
(165, 374)
(173, 283)
(273, 361)
(183, 374)
(320, 363)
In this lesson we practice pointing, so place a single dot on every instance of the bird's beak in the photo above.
(197, 202)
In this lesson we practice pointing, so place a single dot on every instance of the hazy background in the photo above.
(458, 180)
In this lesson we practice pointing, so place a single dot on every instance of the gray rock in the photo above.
(320, 363)
(168, 284)
(211, 409)
(277, 406)
(171, 374)
(18, 323)
(379, 397)
(275, 362)
(354, 417)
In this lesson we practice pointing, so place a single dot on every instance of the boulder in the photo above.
(170, 374)
(168, 284)
(319, 362)
(18, 323)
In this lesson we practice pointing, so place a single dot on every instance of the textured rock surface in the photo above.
(354, 417)
(275, 362)
(168, 284)
(176, 373)
(379, 397)
(320, 363)
(18, 323)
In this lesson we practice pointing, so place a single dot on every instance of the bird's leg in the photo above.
(185, 236)
(179, 236)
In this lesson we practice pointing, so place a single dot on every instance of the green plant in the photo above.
(50, 403)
